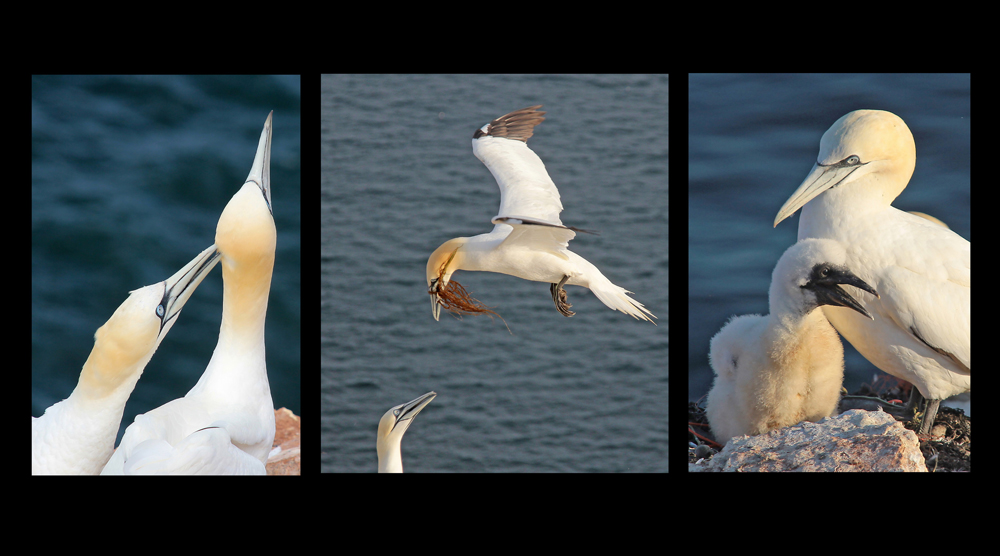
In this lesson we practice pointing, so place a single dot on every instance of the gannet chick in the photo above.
(77, 435)
(391, 428)
(921, 330)
(225, 424)
(777, 370)
(528, 239)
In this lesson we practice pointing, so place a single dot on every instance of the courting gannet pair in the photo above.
(528, 238)
(391, 428)
(77, 435)
(786, 367)
(225, 424)
(922, 327)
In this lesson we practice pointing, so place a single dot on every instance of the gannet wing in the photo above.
(544, 238)
(928, 295)
(526, 190)
(209, 451)
(173, 439)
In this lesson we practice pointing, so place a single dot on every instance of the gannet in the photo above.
(528, 239)
(390, 432)
(225, 424)
(786, 367)
(77, 435)
(922, 327)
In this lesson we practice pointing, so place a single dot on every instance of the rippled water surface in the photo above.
(586, 393)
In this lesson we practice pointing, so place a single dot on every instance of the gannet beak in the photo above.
(179, 287)
(821, 178)
(409, 410)
(435, 299)
(829, 292)
(260, 172)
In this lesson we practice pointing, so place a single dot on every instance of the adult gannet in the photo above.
(528, 239)
(391, 428)
(922, 327)
(786, 367)
(225, 424)
(77, 435)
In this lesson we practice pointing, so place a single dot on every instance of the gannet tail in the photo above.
(616, 297)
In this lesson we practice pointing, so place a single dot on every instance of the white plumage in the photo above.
(921, 330)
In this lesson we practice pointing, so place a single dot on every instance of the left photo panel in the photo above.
(141, 186)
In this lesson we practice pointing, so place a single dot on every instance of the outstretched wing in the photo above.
(526, 190)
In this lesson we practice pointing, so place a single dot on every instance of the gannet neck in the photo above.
(391, 428)
(865, 161)
(234, 388)
(246, 238)
(77, 435)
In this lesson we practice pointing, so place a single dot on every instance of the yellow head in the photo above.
(126, 342)
(391, 428)
(444, 291)
(246, 237)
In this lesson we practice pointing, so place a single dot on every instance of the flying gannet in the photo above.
(391, 428)
(225, 424)
(528, 239)
(77, 435)
(786, 367)
(922, 327)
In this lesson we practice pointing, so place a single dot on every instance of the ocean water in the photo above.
(586, 393)
(754, 138)
(128, 178)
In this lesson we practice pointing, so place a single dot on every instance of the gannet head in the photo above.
(862, 143)
(245, 234)
(444, 291)
(126, 342)
(391, 428)
(809, 274)
(440, 266)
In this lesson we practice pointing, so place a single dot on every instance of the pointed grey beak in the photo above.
(407, 411)
(260, 172)
(179, 287)
(821, 178)
(435, 300)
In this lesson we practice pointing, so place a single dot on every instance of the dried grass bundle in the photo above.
(456, 299)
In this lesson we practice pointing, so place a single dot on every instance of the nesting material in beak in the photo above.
(456, 299)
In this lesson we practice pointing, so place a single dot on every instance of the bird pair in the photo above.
(911, 319)
(225, 424)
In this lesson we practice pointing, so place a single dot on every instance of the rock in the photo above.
(855, 440)
(286, 437)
